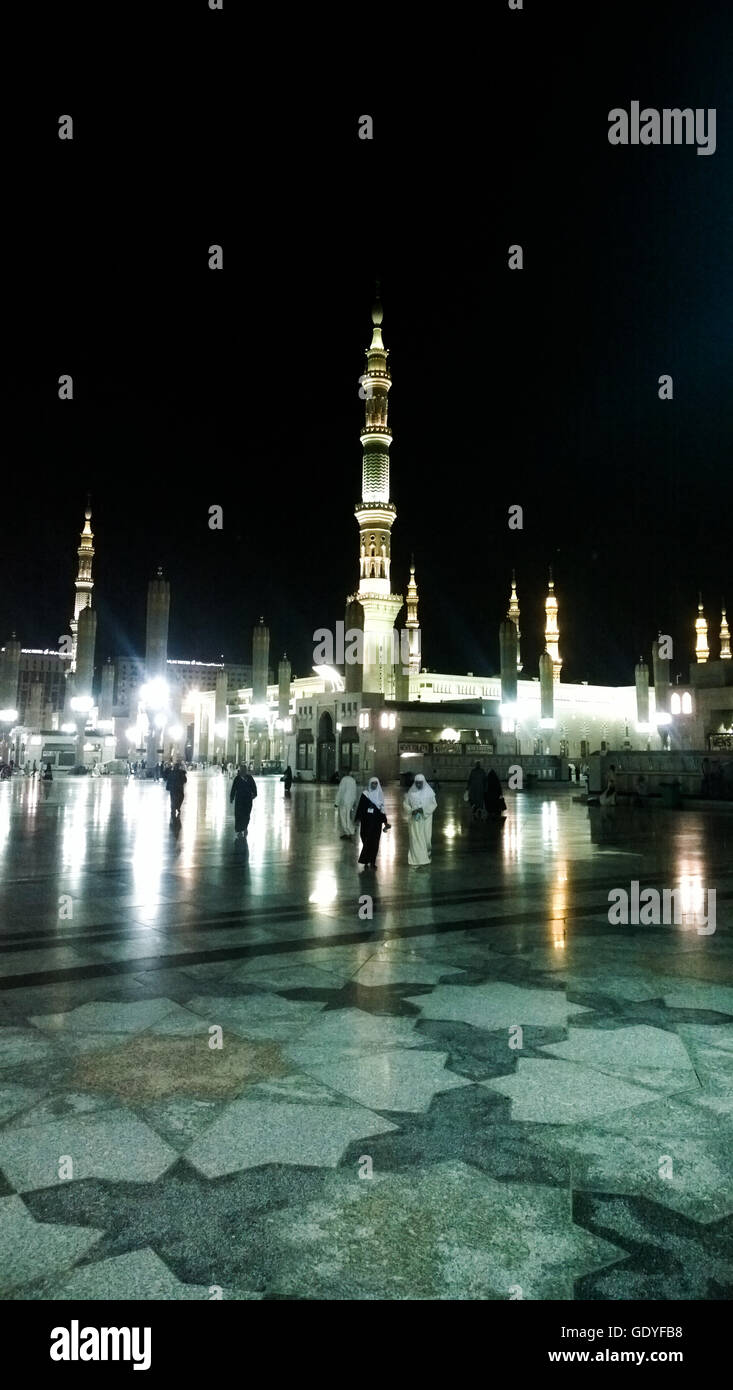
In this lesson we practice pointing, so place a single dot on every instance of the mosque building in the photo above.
(368, 704)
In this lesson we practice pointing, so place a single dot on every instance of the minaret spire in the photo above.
(413, 624)
(84, 582)
(724, 636)
(375, 514)
(513, 615)
(552, 631)
(702, 651)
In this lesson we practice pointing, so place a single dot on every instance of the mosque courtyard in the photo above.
(257, 1071)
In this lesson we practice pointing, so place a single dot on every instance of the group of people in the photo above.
(366, 810)
(483, 793)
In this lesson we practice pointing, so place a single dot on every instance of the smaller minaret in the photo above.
(724, 636)
(84, 582)
(552, 631)
(702, 651)
(413, 624)
(513, 616)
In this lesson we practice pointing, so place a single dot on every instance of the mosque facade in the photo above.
(371, 707)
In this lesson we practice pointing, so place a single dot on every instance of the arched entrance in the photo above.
(326, 748)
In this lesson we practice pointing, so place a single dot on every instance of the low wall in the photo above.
(713, 781)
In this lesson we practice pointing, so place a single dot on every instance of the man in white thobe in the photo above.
(346, 798)
(420, 803)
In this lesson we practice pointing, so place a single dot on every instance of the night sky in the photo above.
(240, 388)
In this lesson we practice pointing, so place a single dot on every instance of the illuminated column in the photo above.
(84, 582)
(547, 691)
(353, 670)
(513, 616)
(508, 665)
(552, 631)
(156, 631)
(284, 672)
(9, 674)
(107, 691)
(662, 692)
(724, 637)
(702, 651)
(260, 662)
(375, 514)
(641, 678)
(258, 726)
(83, 677)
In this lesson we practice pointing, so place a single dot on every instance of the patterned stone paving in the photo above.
(220, 1075)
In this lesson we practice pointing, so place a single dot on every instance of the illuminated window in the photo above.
(687, 703)
(676, 706)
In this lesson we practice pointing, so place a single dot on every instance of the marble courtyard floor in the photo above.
(138, 1160)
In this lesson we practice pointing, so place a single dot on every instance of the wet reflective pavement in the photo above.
(260, 1069)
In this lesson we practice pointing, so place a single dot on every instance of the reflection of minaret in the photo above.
(84, 581)
(413, 624)
(375, 514)
(156, 631)
(724, 637)
(702, 651)
(513, 616)
(552, 631)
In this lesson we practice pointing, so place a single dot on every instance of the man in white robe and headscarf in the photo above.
(420, 804)
(346, 798)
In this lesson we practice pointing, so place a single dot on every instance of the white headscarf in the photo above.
(421, 796)
(375, 794)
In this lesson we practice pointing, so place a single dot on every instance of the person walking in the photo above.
(243, 793)
(370, 818)
(493, 799)
(174, 784)
(475, 789)
(346, 799)
(420, 804)
(288, 779)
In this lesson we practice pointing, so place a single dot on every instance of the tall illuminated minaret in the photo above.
(375, 514)
(413, 623)
(84, 581)
(513, 615)
(702, 651)
(552, 631)
(724, 637)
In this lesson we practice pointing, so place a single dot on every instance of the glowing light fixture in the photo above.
(68, 728)
(450, 736)
(176, 733)
(220, 729)
(331, 676)
(8, 716)
(82, 703)
(547, 723)
(662, 717)
(154, 693)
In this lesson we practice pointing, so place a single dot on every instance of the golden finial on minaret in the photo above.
(724, 636)
(702, 651)
(552, 631)
(513, 615)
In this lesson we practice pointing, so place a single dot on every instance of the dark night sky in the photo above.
(241, 388)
